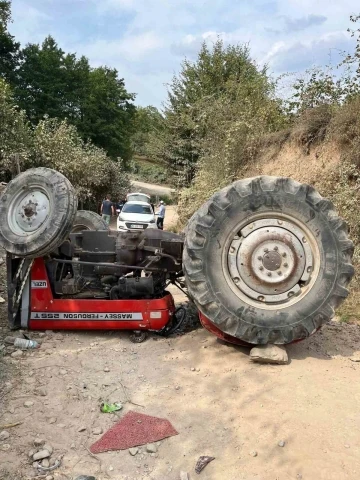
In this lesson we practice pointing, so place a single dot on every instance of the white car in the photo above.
(136, 216)
(137, 197)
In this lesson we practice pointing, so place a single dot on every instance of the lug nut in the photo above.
(290, 294)
(259, 258)
(276, 249)
(309, 269)
(261, 299)
(232, 249)
(280, 222)
(279, 273)
(304, 240)
(269, 274)
(236, 280)
(261, 268)
(286, 265)
(284, 254)
(266, 250)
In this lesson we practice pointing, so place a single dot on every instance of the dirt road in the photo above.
(220, 403)
(152, 189)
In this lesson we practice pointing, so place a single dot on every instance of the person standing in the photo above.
(161, 216)
(107, 209)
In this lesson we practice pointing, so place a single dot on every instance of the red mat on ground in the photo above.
(132, 430)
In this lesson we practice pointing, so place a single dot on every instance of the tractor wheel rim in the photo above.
(271, 261)
(28, 211)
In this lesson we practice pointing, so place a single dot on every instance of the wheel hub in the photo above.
(270, 260)
(28, 212)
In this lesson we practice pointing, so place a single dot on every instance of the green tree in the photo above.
(15, 133)
(107, 113)
(58, 85)
(216, 73)
(148, 122)
(9, 48)
(51, 82)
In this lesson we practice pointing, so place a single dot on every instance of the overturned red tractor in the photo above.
(266, 260)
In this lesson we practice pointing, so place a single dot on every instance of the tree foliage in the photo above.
(148, 125)
(106, 114)
(15, 133)
(9, 48)
(48, 81)
(220, 74)
(56, 144)
(51, 82)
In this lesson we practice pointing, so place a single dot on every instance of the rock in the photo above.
(133, 451)
(4, 435)
(17, 354)
(42, 454)
(41, 391)
(82, 429)
(35, 464)
(269, 354)
(28, 404)
(48, 332)
(151, 448)
(85, 477)
(192, 369)
(52, 420)
(184, 476)
(111, 468)
(45, 463)
(253, 453)
(347, 446)
(49, 477)
(2, 300)
(281, 443)
(61, 425)
(31, 453)
(1, 260)
(49, 448)
(5, 447)
(42, 334)
(39, 442)
(97, 431)
(63, 371)
(11, 410)
(106, 369)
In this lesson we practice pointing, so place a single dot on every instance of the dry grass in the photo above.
(311, 127)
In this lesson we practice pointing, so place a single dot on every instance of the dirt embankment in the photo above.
(311, 166)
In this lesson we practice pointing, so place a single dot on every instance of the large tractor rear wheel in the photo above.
(267, 260)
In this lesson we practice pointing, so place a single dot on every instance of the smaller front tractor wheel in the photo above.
(37, 211)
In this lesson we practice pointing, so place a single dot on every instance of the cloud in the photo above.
(28, 22)
(298, 24)
(301, 55)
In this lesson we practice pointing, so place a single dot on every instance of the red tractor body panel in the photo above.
(47, 312)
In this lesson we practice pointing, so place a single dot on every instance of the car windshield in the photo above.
(134, 208)
(138, 197)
